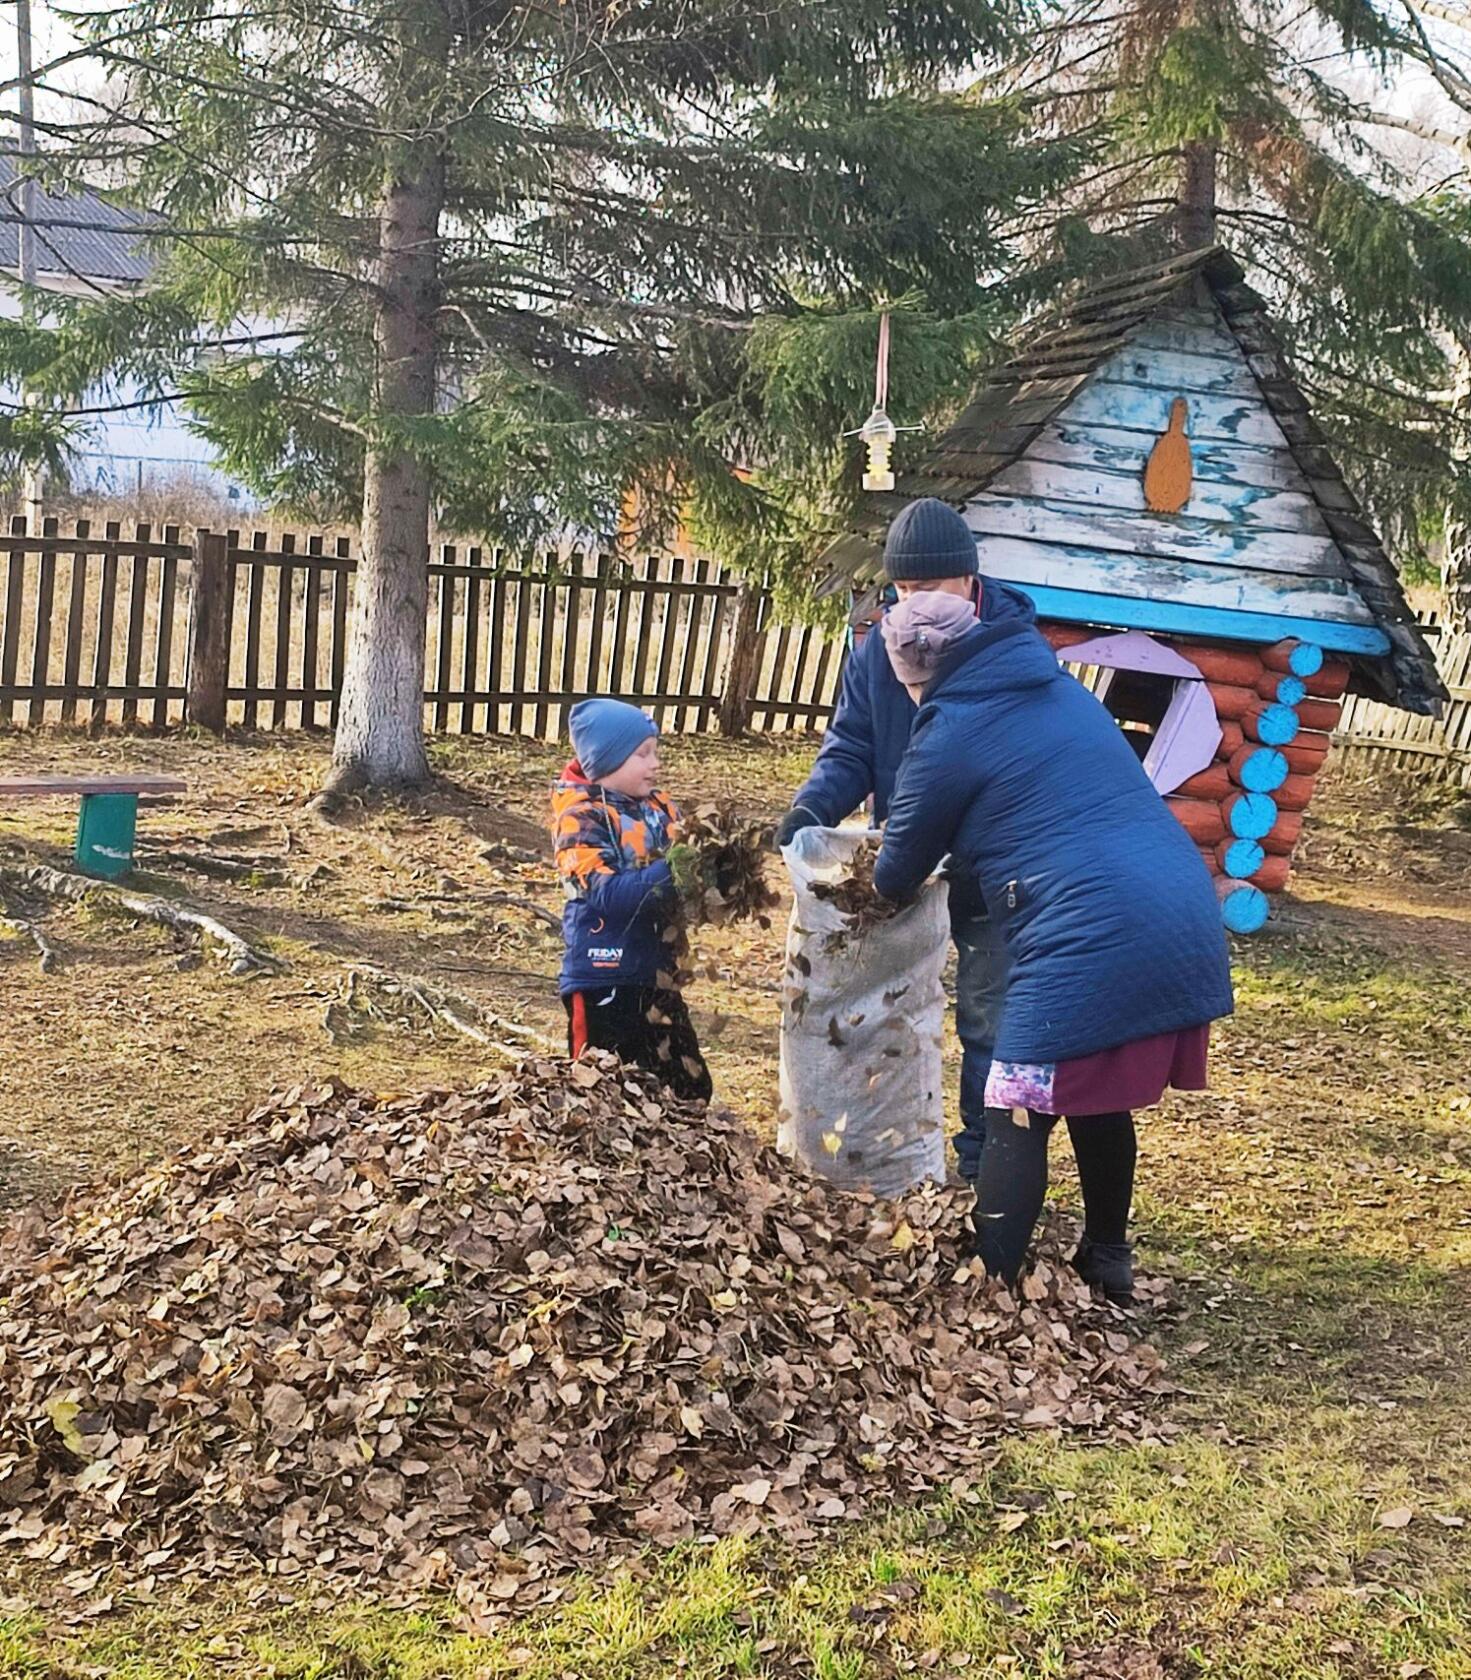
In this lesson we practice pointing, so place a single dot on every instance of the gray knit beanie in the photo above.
(930, 540)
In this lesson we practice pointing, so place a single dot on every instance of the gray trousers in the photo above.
(980, 988)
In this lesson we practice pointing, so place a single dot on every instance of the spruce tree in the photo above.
(1286, 134)
(506, 262)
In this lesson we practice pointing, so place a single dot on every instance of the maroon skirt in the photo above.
(1129, 1076)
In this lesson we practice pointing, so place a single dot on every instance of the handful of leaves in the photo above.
(724, 880)
(855, 895)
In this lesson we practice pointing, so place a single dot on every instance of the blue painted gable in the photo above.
(1047, 463)
(1249, 557)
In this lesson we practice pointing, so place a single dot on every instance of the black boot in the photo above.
(1107, 1267)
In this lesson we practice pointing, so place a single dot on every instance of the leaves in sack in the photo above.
(855, 895)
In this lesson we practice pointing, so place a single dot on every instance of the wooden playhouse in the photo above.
(1148, 472)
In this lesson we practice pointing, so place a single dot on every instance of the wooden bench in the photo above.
(109, 816)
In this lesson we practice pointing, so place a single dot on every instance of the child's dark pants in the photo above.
(1013, 1182)
(645, 1025)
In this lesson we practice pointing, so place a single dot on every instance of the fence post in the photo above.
(738, 688)
(208, 669)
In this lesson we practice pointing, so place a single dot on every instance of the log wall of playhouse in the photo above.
(1240, 772)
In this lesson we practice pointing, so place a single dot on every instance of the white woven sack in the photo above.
(862, 1102)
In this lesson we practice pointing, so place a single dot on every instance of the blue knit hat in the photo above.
(930, 540)
(607, 733)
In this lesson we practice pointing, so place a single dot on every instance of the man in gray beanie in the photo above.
(929, 548)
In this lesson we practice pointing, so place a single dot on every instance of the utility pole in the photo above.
(26, 242)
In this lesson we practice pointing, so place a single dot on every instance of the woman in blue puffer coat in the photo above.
(1119, 962)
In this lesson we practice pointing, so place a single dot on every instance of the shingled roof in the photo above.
(78, 235)
(1032, 392)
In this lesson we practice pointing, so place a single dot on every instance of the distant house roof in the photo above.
(78, 234)
(1046, 463)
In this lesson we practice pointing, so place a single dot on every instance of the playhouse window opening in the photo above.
(1139, 701)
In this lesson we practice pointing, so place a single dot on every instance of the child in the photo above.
(623, 871)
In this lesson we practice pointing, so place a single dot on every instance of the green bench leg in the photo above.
(105, 833)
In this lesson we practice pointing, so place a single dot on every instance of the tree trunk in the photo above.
(738, 686)
(380, 729)
(1196, 206)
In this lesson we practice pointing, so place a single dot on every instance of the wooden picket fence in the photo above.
(1373, 738)
(143, 630)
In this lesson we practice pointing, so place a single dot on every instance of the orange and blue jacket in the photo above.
(620, 895)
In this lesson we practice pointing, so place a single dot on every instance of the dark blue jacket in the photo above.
(870, 726)
(1112, 922)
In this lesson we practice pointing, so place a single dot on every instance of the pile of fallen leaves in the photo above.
(732, 852)
(854, 893)
(482, 1335)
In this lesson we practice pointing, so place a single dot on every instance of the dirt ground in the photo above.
(133, 1042)
(1312, 1209)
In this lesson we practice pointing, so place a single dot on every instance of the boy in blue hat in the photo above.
(624, 872)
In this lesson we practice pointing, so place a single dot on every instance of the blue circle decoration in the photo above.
(1244, 909)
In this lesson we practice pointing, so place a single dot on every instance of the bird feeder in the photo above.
(878, 432)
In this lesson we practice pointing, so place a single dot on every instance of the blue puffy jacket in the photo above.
(870, 725)
(1021, 776)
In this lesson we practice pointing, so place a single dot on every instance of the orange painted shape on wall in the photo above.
(1168, 472)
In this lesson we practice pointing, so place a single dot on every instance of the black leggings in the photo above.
(1013, 1181)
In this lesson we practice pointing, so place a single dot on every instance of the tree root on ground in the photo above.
(552, 920)
(29, 930)
(236, 952)
(379, 994)
(258, 869)
(466, 902)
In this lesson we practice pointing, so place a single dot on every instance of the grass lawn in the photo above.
(1302, 1510)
